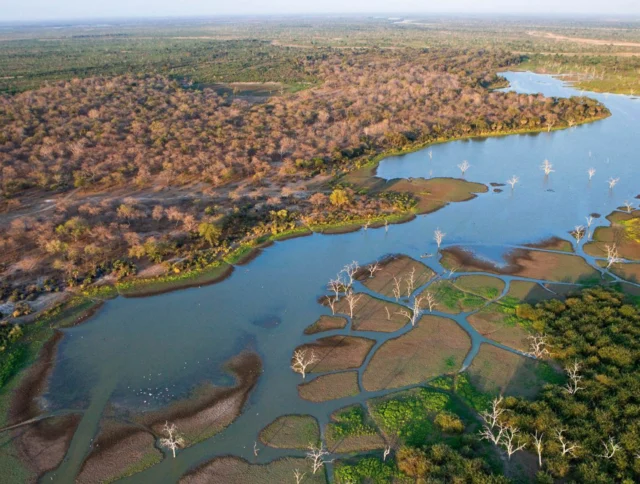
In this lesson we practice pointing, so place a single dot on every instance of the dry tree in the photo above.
(396, 287)
(511, 440)
(612, 182)
(411, 281)
(589, 220)
(612, 255)
(512, 181)
(573, 385)
(298, 476)
(628, 205)
(255, 449)
(537, 443)
(415, 311)
(387, 451)
(610, 448)
(567, 447)
(578, 233)
(464, 166)
(438, 236)
(316, 455)
(332, 304)
(431, 301)
(336, 285)
(352, 300)
(591, 172)
(350, 271)
(547, 167)
(301, 361)
(538, 344)
(172, 440)
(373, 268)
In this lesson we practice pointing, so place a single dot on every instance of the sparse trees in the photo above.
(172, 439)
(573, 372)
(302, 358)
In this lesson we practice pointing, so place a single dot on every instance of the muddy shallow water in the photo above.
(143, 353)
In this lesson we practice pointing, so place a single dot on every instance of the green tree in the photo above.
(209, 232)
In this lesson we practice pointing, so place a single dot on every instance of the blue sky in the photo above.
(27, 10)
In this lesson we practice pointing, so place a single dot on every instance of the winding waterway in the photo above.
(142, 353)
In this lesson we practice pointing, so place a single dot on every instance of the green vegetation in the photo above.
(291, 432)
(350, 422)
(368, 469)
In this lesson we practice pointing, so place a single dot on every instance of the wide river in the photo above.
(141, 353)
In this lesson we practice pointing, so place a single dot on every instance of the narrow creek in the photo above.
(143, 353)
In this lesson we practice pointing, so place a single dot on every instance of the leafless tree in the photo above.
(610, 448)
(492, 434)
(411, 281)
(430, 155)
(396, 287)
(491, 417)
(173, 440)
(567, 447)
(537, 442)
(301, 361)
(388, 313)
(538, 345)
(336, 285)
(317, 457)
(352, 300)
(366, 224)
(415, 311)
(512, 181)
(612, 255)
(298, 476)
(350, 271)
(332, 304)
(628, 205)
(387, 451)
(255, 449)
(547, 167)
(511, 440)
(578, 233)
(438, 236)
(574, 378)
(431, 301)
(591, 172)
(464, 166)
(373, 268)
(612, 182)
(589, 220)
(386, 225)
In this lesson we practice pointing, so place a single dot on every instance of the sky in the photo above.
(33, 10)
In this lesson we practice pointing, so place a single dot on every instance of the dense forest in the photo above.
(246, 167)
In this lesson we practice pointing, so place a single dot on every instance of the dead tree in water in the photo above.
(438, 236)
(628, 205)
(591, 172)
(589, 220)
(512, 181)
(612, 182)
(464, 166)
(336, 285)
(578, 233)
(547, 167)
(350, 270)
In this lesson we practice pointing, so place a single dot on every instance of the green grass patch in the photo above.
(368, 469)
(470, 395)
(350, 422)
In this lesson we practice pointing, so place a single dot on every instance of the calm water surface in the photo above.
(142, 353)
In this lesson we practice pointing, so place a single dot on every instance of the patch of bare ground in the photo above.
(523, 263)
(435, 346)
(399, 266)
(291, 432)
(356, 439)
(211, 408)
(532, 292)
(495, 324)
(330, 387)
(552, 243)
(119, 450)
(495, 370)
(373, 314)
(581, 40)
(42, 445)
(24, 405)
(621, 232)
(234, 470)
(338, 352)
(326, 323)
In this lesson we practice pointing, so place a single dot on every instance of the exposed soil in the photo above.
(523, 263)
(119, 450)
(552, 243)
(630, 272)
(399, 266)
(338, 352)
(330, 387)
(370, 314)
(291, 432)
(326, 323)
(434, 347)
(42, 445)
(234, 470)
(532, 292)
(212, 408)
